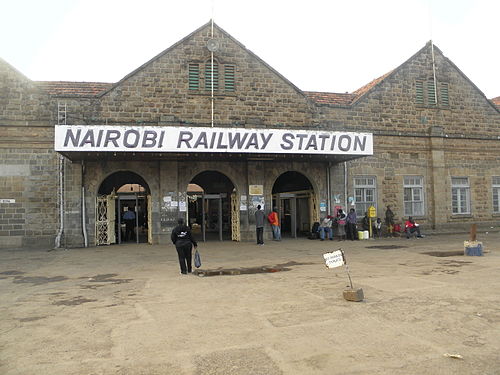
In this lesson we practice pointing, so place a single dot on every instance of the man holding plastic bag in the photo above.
(183, 240)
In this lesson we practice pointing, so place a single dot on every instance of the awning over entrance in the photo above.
(97, 142)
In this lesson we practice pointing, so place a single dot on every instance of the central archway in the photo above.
(211, 206)
(294, 197)
(123, 209)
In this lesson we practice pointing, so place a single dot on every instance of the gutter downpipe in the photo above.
(345, 185)
(328, 189)
(84, 212)
(60, 195)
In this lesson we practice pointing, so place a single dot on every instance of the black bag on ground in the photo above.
(314, 235)
(197, 259)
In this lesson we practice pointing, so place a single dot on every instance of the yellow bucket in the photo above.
(360, 235)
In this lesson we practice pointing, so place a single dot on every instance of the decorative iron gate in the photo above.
(105, 220)
(235, 218)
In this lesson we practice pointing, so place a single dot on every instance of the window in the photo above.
(365, 188)
(200, 77)
(460, 195)
(419, 87)
(444, 95)
(229, 78)
(425, 93)
(431, 93)
(413, 196)
(496, 194)
(194, 76)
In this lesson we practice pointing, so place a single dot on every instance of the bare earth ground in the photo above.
(127, 310)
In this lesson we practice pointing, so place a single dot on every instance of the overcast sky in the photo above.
(319, 45)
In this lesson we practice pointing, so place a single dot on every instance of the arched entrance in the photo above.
(294, 197)
(123, 210)
(213, 209)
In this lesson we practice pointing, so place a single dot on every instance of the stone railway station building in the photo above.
(207, 130)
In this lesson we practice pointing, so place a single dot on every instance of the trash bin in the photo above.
(366, 235)
(360, 235)
(473, 248)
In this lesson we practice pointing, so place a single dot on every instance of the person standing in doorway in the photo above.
(259, 225)
(183, 240)
(129, 218)
(275, 224)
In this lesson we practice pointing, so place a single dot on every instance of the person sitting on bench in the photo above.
(412, 227)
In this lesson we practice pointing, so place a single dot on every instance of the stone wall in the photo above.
(458, 138)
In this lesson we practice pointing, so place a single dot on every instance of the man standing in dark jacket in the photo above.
(183, 241)
(259, 225)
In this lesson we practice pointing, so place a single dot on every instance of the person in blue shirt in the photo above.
(129, 218)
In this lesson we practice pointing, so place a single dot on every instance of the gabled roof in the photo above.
(496, 101)
(209, 23)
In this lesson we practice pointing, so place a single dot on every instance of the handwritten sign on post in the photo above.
(334, 259)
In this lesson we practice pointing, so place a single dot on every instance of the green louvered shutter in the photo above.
(444, 95)
(431, 93)
(194, 76)
(208, 77)
(419, 91)
(229, 71)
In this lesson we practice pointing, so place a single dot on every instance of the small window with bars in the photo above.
(212, 75)
(229, 73)
(496, 194)
(194, 76)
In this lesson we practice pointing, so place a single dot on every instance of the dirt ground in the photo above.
(127, 310)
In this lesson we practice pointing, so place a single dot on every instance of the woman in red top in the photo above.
(411, 227)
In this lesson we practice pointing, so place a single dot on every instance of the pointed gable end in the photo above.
(207, 66)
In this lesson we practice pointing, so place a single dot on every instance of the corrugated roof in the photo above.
(73, 89)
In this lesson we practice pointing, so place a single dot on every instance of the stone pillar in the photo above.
(337, 186)
(166, 215)
(438, 198)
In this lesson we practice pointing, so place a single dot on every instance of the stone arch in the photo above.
(297, 199)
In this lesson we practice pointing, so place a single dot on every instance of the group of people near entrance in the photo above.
(345, 227)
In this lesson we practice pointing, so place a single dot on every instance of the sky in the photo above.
(319, 45)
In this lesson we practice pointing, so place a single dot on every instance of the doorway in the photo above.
(210, 212)
(294, 198)
(123, 210)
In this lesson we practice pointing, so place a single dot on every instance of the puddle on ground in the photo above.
(38, 280)
(444, 253)
(454, 263)
(73, 301)
(108, 278)
(12, 272)
(249, 270)
(387, 247)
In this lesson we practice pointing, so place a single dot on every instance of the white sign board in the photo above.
(102, 138)
(7, 201)
(334, 259)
